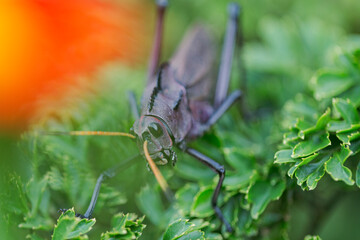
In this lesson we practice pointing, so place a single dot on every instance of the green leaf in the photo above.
(177, 229)
(13, 196)
(118, 222)
(82, 227)
(202, 203)
(323, 119)
(347, 136)
(34, 237)
(185, 197)
(351, 128)
(240, 161)
(304, 126)
(68, 213)
(291, 138)
(331, 83)
(64, 228)
(182, 229)
(56, 181)
(68, 226)
(350, 61)
(312, 144)
(213, 236)
(299, 163)
(150, 203)
(355, 146)
(335, 126)
(35, 191)
(125, 226)
(353, 94)
(309, 237)
(308, 128)
(238, 181)
(301, 107)
(244, 220)
(312, 172)
(37, 223)
(347, 110)
(335, 166)
(191, 170)
(261, 193)
(193, 235)
(284, 156)
(111, 197)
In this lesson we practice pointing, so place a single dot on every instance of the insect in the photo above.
(176, 104)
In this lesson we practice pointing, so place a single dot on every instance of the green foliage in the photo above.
(183, 230)
(71, 227)
(319, 116)
(319, 140)
(261, 193)
(125, 227)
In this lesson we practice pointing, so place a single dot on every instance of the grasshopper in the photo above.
(177, 106)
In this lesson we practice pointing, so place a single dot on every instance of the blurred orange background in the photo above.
(46, 44)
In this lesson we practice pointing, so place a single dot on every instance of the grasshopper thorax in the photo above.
(155, 131)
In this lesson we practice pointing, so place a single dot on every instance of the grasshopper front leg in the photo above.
(219, 169)
(109, 173)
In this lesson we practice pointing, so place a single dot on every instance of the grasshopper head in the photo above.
(156, 132)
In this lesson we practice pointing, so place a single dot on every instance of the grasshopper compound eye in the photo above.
(156, 130)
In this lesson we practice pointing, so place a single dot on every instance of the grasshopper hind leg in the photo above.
(223, 80)
(158, 38)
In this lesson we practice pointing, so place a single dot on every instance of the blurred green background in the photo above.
(284, 43)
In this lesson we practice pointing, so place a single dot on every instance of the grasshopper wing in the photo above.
(193, 63)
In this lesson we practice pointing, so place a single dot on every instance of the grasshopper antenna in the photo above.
(87, 133)
(159, 177)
